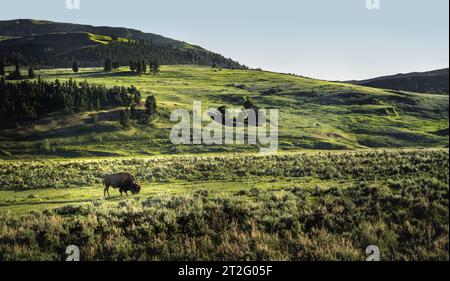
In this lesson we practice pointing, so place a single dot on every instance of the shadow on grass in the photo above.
(98, 74)
(110, 199)
(77, 130)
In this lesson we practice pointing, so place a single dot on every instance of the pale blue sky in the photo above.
(329, 39)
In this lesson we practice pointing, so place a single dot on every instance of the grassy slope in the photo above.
(290, 201)
(2, 38)
(314, 114)
(27, 186)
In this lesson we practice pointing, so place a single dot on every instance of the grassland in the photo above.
(105, 39)
(314, 114)
(291, 206)
(356, 166)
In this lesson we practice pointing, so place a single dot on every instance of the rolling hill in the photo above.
(435, 82)
(51, 44)
(30, 27)
(313, 114)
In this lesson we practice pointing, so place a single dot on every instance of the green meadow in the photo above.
(289, 206)
(313, 114)
(356, 166)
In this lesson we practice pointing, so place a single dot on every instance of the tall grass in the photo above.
(407, 220)
(362, 165)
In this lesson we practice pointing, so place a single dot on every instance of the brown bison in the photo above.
(123, 181)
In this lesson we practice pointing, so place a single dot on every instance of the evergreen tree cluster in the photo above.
(121, 53)
(30, 100)
(133, 113)
(110, 65)
(141, 116)
(140, 67)
(16, 74)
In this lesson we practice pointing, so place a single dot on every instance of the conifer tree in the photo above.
(150, 105)
(138, 67)
(125, 118)
(108, 65)
(154, 67)
(16, 74)
(2, 67)
(30, 73)
(75, 67)
(144, 67)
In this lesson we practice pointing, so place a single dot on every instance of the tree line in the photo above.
(123, 53)
(136, 66)
(140, 66)
(16, 74)
(30, 100)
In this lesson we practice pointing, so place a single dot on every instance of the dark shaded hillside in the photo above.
(61, 49)
(45, 48)
(48, 44)
(29, 27)
(434, 82)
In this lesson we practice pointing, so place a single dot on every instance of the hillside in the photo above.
(30, 27)
(314, 114)
(51, 44)
(435, 82)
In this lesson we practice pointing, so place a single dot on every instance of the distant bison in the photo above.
(123, 181)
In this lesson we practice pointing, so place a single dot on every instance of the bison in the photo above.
(123, 181)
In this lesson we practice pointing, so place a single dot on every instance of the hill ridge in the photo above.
(433, 81)
(148, 46)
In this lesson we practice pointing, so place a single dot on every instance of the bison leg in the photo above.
(106, 190)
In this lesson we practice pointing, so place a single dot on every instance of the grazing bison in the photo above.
(123, 181)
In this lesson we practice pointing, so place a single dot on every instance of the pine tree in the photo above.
(125, 118)
(248, 103)
(136, 98)
(30, 73)
(144, 67)
(154, 67)
(2, 67)
(116, 65)
(108, 65)
(75, 67)
(150, 105)
(16, 74)
(133, 111)
(139, 67)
